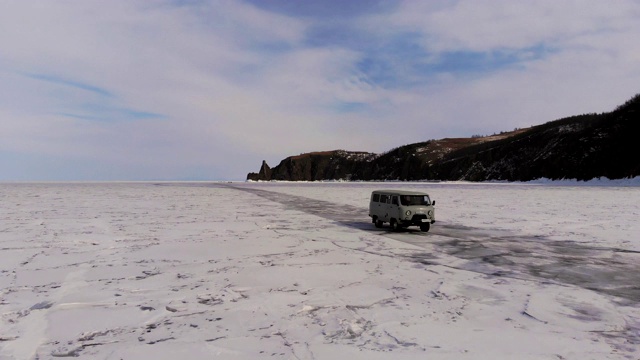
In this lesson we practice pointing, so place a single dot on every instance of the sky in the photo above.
(207, 89)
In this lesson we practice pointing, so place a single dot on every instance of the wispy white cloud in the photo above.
(184, 89)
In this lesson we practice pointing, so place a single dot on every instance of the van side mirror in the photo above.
(433, 203)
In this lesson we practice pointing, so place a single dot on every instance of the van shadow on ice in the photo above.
(342, 214)
(611, 271)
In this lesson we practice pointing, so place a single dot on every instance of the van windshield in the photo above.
(415, 200)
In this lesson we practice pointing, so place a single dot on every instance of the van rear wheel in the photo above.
(378, 223)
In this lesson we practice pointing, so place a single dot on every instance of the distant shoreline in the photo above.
(629, 182)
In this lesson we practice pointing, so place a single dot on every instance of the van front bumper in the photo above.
(418, 219)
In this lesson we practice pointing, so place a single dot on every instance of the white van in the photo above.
(402, 209)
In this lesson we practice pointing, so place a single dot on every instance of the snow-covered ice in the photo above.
(297, 271)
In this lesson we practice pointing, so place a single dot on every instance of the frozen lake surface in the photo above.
(297, 271)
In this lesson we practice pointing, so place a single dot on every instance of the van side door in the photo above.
(383, 208)
(394, 207)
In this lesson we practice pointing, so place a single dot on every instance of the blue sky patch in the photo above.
(473, 62)
(325, 9)
(115, 115)
(105, 110)
(111, 114)
(75, 84)
(404, 63)
(343, 107)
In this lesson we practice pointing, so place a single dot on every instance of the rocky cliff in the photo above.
(579, 147)
(337, 164)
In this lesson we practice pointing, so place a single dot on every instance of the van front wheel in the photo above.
(425, 227)
(394, 225)
(378, 223)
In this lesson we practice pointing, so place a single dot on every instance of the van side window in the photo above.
(415, 200)
(376, 198)
(383, 198)
(394, 200)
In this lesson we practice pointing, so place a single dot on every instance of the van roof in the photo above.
(399, 192)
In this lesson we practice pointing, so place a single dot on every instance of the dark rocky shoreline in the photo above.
(580, 147)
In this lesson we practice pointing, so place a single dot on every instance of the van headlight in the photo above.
(408, 212)
(430, 213)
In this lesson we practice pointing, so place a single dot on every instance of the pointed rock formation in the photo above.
(264, 174)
